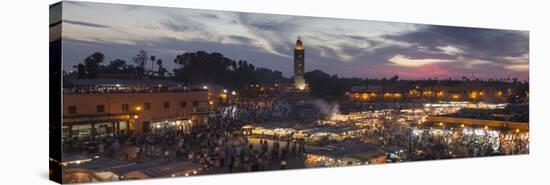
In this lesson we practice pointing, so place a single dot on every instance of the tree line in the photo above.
(191, 68)
(92, 67)
(200, 67)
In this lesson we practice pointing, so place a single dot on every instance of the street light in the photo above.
(138, 108)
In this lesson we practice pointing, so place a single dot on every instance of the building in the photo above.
(473, 92)
(219, 95)
(93, 108)
(299, 65)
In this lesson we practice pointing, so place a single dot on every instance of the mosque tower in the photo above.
(299, 81)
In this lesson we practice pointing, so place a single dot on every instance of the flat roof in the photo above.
(75, 81)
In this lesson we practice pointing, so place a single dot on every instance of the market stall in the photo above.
(345, 154)
(158, 168)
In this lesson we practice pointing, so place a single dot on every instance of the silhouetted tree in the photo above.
(140, 60)
(322, 84)
(153, 58)
(394, 78)
(90, 67)
(81, 71)
(161, 69)
(214, 68)
(117, 66)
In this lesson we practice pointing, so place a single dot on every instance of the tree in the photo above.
(394, 78)
(117, 66)
(161, 69)
(90, 67)
(81, 71)
(140, 60)
(202, 67)
(152, 64)
(213, 68)
(323, 84)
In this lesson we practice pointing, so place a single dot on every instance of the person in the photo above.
(115, 148)
(283, 164)
(265, 146)
(166, 155)
(140, 153)
(302, 146)
(294, 147)
(231, 163)
(284, 153)
(101, 148)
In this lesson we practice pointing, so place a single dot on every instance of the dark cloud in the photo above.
(267, 23)
(271, 26)
(335, 47)
(178, 23)
(479, 43)
(241, 39)
(177, 27)
(82, 23)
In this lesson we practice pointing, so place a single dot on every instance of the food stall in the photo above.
(78, 175)
(99, 169)
(158, 168)
(345, 154)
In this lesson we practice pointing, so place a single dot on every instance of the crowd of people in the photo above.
(220, 145)
(437, 142)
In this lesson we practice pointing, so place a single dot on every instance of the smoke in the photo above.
(331, 110)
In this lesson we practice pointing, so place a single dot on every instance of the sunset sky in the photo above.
(348, 48)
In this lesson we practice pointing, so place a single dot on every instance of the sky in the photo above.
(347, 48)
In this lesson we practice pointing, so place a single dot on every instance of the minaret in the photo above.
(299, 81)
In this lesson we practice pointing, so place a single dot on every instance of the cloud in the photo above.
(518, 67)
(82, 23)
(522, 59)
(241, 39)
(481, 43)
(432, 70)
(451, 50)
(337, 46)
(471, 63)
(405, 61)
(177, 27)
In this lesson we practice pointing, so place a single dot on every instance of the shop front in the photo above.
(96, 127)
(168, 125)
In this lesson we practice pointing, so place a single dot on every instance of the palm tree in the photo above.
(152, 64)
(160, 68)
(140, 59)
